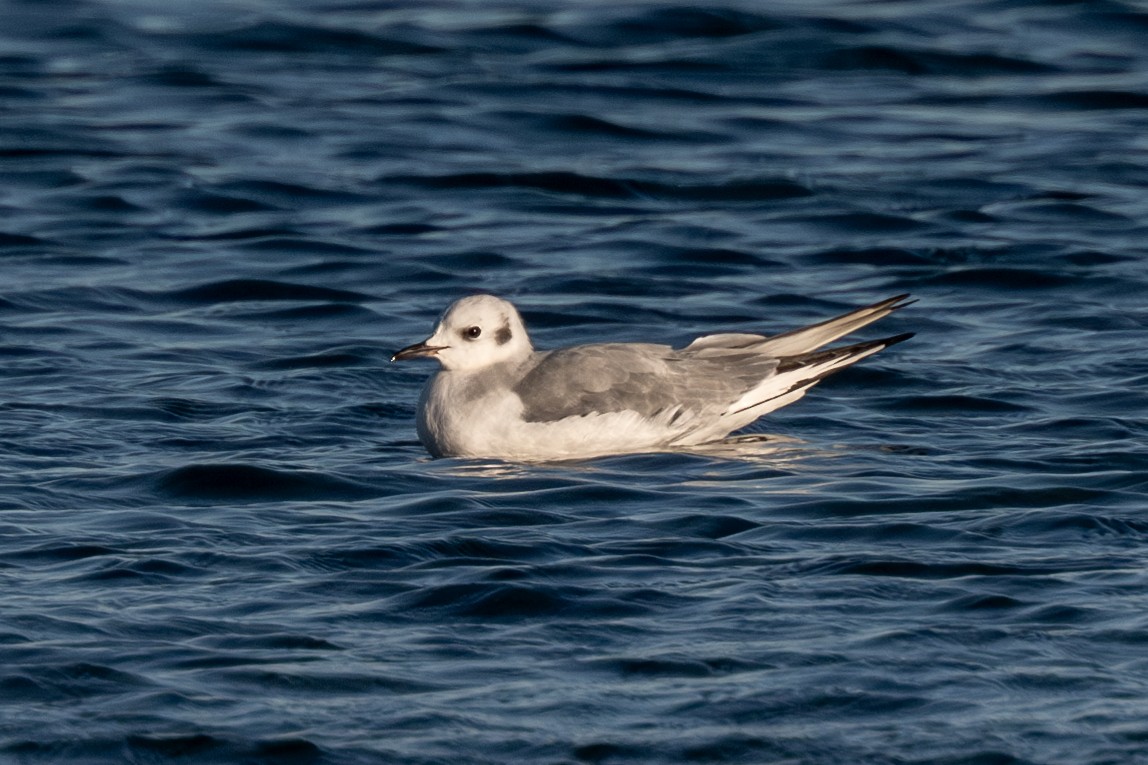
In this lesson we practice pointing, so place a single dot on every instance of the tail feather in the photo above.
(797, 374)
(799, 341)
(799, 363)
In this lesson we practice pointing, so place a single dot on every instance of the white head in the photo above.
(474, 332)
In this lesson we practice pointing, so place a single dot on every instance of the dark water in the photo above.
(221, 542)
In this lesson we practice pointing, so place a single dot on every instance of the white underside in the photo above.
(492, 426)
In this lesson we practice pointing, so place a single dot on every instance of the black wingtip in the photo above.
(900, 301)
(896, 339)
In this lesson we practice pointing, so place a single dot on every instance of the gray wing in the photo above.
(806, 339)
(650, 380)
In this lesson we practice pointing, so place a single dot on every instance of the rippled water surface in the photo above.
(220, 540)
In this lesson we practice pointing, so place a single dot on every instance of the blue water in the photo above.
(220, 541)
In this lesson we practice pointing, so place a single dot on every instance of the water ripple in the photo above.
(220, 540)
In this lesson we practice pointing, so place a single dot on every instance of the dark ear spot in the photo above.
(503, 335)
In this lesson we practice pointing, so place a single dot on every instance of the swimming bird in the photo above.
(497, 397)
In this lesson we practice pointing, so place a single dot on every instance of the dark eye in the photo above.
(472, 333)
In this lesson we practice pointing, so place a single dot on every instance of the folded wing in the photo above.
(713, 386)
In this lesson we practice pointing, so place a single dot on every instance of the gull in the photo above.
(496, 397)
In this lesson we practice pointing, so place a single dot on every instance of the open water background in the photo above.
(221, 542)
